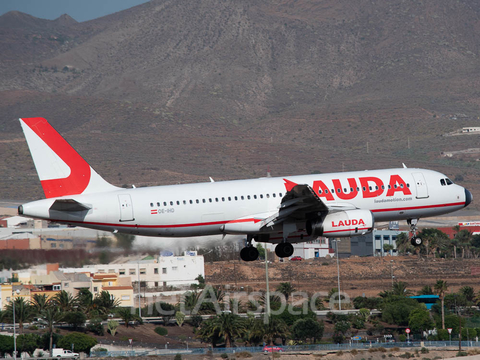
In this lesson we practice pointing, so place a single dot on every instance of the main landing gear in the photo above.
(414, 240)
(249, 252)
(284, 249)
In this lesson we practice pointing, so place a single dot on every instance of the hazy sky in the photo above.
(80, 10)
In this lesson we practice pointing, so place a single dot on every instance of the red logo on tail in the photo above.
(79, 176)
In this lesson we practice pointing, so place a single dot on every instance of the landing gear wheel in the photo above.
(249, 253)
(284, 249)
(416, 241)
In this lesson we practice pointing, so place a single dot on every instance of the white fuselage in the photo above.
(202, 209)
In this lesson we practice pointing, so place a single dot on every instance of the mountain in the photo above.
(179, 90)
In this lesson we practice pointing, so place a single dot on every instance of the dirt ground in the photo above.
(358, 276)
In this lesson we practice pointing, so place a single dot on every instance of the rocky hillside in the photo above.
(178, 90)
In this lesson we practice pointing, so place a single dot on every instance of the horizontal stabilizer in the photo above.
(69, 205)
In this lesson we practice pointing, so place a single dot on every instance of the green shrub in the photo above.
(224, 356)
(177, 357)
(462, 353)
(424, 350)
(81, 342)
(161, 331)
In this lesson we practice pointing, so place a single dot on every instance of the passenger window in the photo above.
(191, 201)
(223, 199)
(319, 191)
(171, 203)
(203, 200)
(164, 203)
(254, 196)
(178, 202)
(158, 204)
(236, 198)
(370, 188)
(364, 188)
(280, 194)
(229, 198)
(151, 204)
(261, 196)
(184, 202)
(383, 187)
(274, 195)
(268, 196)
(216, 199)
(210, 200)
(248, 197)
(197, 201)
(401, 185)
(339, 191)
(395, 186)
(242, 197)
(326, 191)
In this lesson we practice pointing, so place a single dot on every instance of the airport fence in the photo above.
(289, 349)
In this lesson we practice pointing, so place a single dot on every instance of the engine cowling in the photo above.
(342, 224)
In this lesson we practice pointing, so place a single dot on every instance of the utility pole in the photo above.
(138, 280)
(338, 276)
(267, 300)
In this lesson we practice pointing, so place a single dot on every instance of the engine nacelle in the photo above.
(342, 224)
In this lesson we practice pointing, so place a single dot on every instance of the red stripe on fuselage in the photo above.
(227, 221)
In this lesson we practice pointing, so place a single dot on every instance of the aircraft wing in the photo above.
(301, 203)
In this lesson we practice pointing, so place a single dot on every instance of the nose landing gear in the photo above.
(414, 240)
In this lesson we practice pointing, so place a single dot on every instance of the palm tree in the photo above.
(106, 303)
(126, 314)
(64, 301)
(403, 243)
(426, 290)
(230, 326)
(40, 302)
(254, 330)
(468, 292)
(51, 315)
(24, 312)
(400, 288)
(273, 329)
(84, 300)
(441, 288)
(286, 289)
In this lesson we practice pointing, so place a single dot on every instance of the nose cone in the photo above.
(468, 197)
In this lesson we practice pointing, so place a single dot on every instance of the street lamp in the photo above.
(338, 276)
(14, 332)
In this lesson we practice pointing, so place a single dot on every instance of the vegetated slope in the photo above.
(177, 90)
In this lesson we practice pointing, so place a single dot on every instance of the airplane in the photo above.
(279, 210)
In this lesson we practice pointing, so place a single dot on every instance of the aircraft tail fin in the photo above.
(62, 171)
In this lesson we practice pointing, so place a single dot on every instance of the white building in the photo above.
(155, 272)
(313, 249)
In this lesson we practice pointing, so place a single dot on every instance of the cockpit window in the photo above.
(442, 182)
(449, 182)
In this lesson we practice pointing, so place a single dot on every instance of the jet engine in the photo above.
(342, 224)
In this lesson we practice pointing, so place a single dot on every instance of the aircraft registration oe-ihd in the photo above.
(282, 210)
